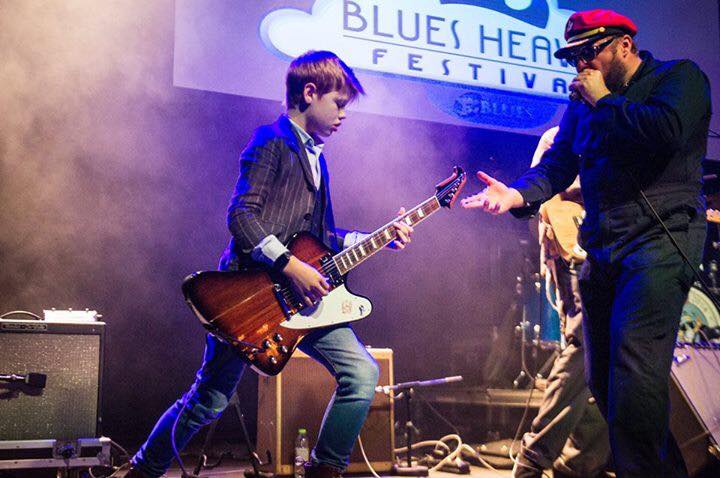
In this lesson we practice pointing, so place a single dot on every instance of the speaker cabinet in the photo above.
(297, 398)
(695, 404)
(70, 355)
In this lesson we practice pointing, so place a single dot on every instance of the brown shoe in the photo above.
(128, 471)
(524, 468)
(321, 470)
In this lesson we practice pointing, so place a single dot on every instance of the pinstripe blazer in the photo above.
(275, 194)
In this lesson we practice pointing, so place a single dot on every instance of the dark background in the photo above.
(114, 186)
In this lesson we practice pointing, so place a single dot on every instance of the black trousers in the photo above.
(633, 288)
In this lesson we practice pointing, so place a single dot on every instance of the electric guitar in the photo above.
(260, 314)
(563, 219)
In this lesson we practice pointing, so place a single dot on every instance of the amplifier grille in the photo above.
(68, 405)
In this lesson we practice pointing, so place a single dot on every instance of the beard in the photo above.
(615, 74)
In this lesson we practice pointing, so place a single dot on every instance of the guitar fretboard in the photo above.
(356, 254)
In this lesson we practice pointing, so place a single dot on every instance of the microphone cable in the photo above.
(674, 242)
(685, 258)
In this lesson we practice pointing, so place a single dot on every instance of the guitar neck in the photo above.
(358, 253)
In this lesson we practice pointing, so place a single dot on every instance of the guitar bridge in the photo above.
(284, 296)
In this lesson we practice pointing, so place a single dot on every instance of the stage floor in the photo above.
(235, 470)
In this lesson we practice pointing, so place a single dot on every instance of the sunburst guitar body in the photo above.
(261, 315)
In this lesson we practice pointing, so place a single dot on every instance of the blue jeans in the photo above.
(337, 349)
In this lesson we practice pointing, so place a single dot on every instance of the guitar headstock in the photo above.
(448, 190)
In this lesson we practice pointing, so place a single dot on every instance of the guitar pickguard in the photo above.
(338, 307)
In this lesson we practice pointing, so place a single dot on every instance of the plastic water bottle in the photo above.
(302, 453)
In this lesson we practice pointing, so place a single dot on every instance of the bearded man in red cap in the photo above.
(636, 135)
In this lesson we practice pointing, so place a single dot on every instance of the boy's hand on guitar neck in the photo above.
(306, 280)
(403, 233)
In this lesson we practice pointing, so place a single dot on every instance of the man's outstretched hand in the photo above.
(496, 198)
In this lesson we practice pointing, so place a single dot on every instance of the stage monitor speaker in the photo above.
(695, 404)
(297, 398)
(67, 404)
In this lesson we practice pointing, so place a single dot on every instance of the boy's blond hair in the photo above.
(326, 71)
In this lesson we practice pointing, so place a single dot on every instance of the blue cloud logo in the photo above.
(536, 14)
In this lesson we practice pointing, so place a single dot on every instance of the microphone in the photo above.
(425, 383)
(34, 380)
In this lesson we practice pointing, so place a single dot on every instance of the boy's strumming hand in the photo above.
(306, 280)
(496, 198)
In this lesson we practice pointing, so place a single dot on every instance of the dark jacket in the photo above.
(275, 194)
(651, 136)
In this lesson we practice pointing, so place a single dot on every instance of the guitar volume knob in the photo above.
(283, 349)
(273, 360)
(278, 338)
(266, 344)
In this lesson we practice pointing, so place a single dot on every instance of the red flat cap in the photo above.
(590, 25)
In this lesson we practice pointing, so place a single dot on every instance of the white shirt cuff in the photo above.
(268, 250)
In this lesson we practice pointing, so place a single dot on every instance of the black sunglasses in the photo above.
(588, 53)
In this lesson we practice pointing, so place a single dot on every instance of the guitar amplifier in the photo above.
(695, 404)
(297, 398)
(67, 404)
